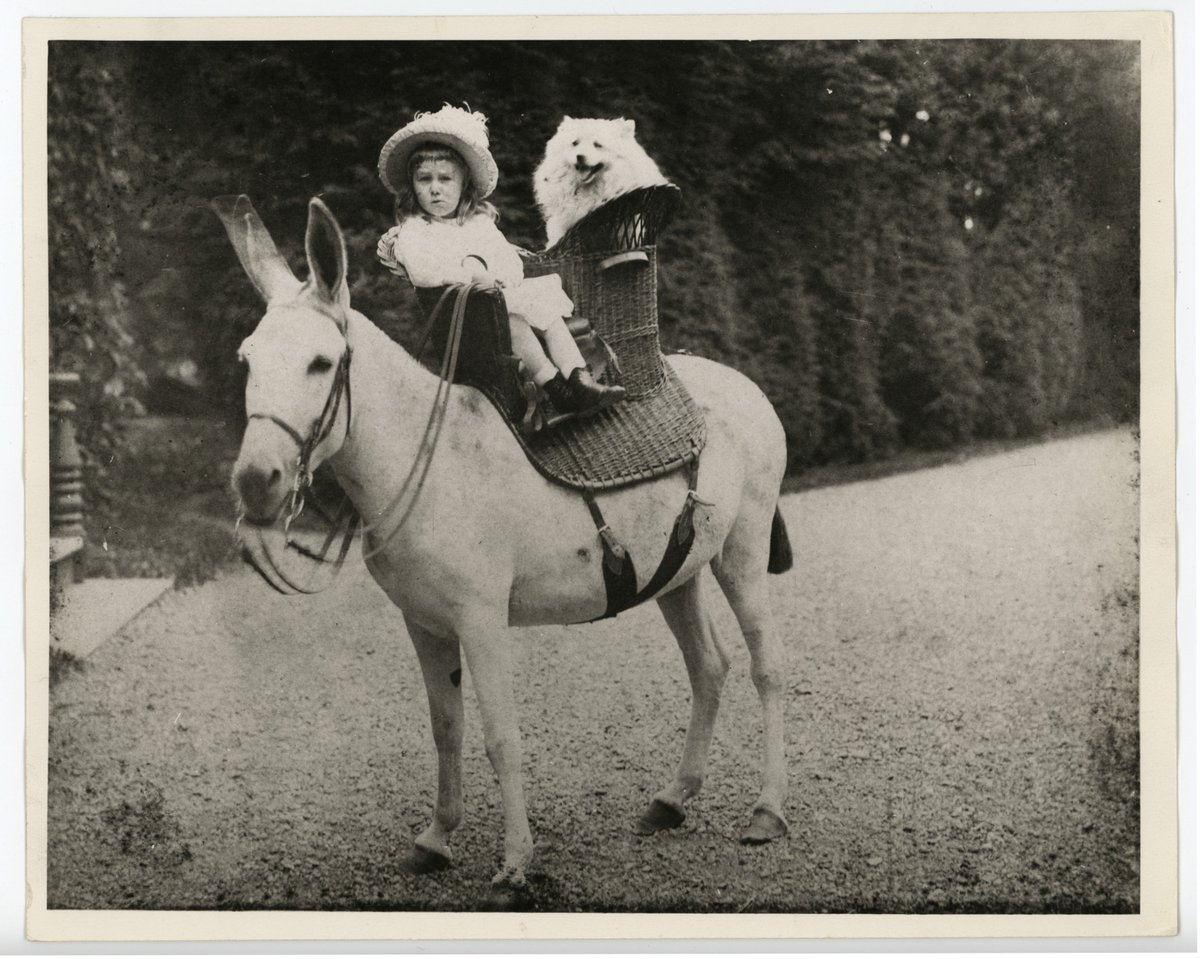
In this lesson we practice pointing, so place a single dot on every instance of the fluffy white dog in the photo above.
(589, 162)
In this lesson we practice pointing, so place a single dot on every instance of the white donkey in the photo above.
(489, 542)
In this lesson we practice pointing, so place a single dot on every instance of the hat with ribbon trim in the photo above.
(463, 131)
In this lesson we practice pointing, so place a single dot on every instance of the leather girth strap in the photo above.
(620, 578)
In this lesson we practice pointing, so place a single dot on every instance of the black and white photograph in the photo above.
(623, 479)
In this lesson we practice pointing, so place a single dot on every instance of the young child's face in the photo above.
(438, 185)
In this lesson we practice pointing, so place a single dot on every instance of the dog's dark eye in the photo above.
(322, 364)
(574, 143)
(596, 144)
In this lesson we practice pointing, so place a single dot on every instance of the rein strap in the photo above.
(404, 501)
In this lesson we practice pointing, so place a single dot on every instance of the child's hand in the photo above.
(480, 274)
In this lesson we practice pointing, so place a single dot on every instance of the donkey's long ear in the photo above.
(260, 258)
(326, 250)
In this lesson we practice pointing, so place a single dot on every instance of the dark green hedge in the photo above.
(906, 244)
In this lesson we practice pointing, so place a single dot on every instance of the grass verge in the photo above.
(166, 508)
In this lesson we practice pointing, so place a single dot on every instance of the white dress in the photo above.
(433, 254)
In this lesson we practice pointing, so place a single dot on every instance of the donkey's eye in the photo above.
(322, 364)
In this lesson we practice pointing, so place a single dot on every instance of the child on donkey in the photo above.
(441, 171)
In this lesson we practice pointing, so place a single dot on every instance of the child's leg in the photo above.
(527, 347)
(573, 390)
(561, 346)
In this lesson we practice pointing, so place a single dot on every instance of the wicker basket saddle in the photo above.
(607, 263)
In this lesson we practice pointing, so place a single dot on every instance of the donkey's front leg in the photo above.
(442, 670)
(487, 645)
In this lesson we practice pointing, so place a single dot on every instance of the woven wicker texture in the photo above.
(621, 302)
(626, 222)
(633, 441)
(608, 266)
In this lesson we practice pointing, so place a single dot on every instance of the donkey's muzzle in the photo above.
(261, 493)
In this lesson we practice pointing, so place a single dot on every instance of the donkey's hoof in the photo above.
(659, 815)
(508, 897)
(421, 861)
(764, 826)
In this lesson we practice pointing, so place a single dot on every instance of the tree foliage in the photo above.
(90, 159)
(905, 243)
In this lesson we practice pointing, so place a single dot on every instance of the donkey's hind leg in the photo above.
(741, 571)
(707, 665)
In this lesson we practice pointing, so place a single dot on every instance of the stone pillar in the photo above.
(66, 485)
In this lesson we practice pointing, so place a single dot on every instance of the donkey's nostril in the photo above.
(256, 488)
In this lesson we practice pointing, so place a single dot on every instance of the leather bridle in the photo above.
(346, 520)
(396, 513)
(318, 432)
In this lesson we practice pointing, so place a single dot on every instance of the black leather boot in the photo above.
(581, 393)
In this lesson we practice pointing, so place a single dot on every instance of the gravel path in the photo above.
(961, 650)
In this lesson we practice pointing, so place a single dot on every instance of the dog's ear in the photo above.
(565, 120)
(627, 126)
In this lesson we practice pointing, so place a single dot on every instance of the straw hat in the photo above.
(465, 132)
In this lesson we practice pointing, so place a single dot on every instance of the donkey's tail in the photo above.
(780, 559)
